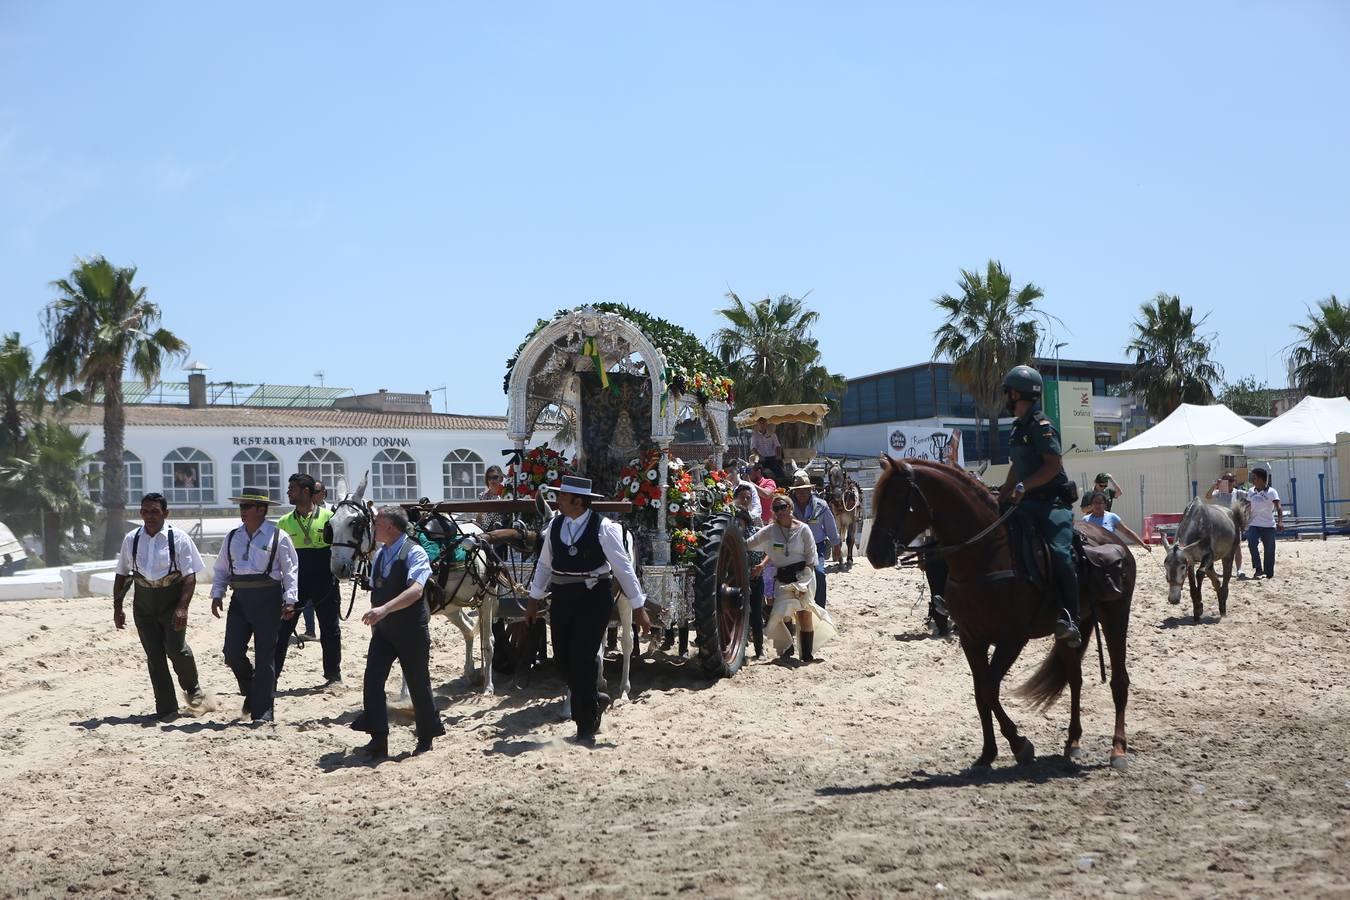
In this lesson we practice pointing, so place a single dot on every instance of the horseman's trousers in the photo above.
(152, 611)
(1055, 523)
(254, 613)
(318, 596)
(580, 617)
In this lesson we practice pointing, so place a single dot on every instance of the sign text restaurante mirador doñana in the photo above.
(252, 440)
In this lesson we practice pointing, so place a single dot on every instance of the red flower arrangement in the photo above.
(639, 483)
(541, 467)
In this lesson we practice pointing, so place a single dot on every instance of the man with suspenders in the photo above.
(317, 592)
(258, 563)
(163, 564)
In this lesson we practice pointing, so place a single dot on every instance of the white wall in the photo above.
(1164, 473)
(356, 446)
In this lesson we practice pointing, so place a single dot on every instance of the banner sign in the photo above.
(924, 442)
(1069, 406)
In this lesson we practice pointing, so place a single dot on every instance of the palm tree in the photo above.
(769, 352)
(45, 481)
(99, 326)
(20, 394)
(1321, 358)
(989, 329)
(1172, 362)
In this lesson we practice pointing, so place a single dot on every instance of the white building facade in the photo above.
(199, 457)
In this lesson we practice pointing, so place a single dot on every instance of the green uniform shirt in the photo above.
(307, 532)
(1034, 437)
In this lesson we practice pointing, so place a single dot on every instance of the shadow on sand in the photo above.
(1039, 772)
(1187, 621)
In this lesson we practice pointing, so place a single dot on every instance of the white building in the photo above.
(198, 454)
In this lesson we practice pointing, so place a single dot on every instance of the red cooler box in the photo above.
(1152, 522)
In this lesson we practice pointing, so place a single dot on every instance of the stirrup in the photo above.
(1066, 630)
(940, 606)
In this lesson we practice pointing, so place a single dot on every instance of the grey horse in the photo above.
(1208, 533)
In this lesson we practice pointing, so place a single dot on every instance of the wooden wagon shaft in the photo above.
(508, 506)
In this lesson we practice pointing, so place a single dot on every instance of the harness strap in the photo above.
(136, 574)
(229, 554)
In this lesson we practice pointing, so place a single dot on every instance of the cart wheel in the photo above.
(722, 598)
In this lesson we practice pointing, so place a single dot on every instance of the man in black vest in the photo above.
(399, 621)
(577, 561)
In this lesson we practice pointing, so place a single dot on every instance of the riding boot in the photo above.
(1066, 628)
(808, 639)
(940, 606)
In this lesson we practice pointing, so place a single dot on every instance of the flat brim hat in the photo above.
(575, 484)
(254, 495)
(800, 480)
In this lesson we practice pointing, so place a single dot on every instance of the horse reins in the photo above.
(360, 560)
(934, 545)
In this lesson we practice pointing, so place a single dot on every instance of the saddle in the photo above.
(1101, 567)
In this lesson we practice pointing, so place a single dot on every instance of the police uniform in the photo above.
(403, 635)
(577, 561)
(1034, 437)
(260, 570)
(157, 565)
(316, 588)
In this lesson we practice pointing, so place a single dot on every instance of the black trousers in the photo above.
(580, 617)
(254, 613)
(152, 611)
(325, 600)
(404, 636)
(757, 612)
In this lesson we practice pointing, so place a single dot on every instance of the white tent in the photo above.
(1191, 426)
(1309, 429)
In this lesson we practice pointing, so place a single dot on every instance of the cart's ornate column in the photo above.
(661, 543)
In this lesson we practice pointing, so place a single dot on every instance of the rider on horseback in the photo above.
(1037, 481)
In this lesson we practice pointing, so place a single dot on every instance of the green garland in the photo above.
(684, 351)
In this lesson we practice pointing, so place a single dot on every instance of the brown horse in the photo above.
(993, 603)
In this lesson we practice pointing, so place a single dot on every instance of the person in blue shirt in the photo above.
(399, 621)
(815, 512)
(1098, 514)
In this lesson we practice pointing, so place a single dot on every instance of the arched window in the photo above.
(254, 467)
(462, 473)
(324, 465)
(189, 476)
(393, 476)
(135, 477)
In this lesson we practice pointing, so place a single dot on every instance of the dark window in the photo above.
(850, 405)
(1099, 387)
(923, 393)
(867, 401)
(904, 396)
(885, 398)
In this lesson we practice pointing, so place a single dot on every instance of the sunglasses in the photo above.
(780, 508)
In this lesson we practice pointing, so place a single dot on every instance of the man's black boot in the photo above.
(808, 640)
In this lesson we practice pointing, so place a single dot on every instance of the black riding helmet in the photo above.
(1024, 379)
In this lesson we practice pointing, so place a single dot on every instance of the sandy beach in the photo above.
(846, 778)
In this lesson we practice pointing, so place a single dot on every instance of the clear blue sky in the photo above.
(420, 182)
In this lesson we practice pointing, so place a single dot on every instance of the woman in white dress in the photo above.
(789, 547)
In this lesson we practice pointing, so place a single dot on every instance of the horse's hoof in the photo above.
(1073, 753)
(1026, 754)
(1120, 763)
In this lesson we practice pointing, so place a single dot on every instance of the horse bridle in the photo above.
(934, 546)
(365, 522)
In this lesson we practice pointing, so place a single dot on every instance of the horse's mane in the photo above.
(966, 483)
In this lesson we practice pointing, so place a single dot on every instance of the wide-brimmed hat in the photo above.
(1102, 478)
(800, 480)
(575, 484)
(254, 495)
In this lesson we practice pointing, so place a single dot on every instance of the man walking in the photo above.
(581, 554)
(399, 621)
(162, 563)
(258, 563)
(317, 594)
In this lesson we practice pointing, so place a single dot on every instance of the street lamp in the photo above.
(1057, 346)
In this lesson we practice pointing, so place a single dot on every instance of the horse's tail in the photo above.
(1049, 680)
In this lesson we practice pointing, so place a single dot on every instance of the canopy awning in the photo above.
(804, 413)
(1310, 427)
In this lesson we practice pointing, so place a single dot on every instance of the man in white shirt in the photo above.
(258, 563)
(580, 554)
(1267, 518)
(162, 563)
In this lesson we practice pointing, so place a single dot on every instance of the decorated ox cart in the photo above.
(617, 403)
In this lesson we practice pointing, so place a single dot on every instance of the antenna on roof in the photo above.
(319, 375)
(445, 400)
